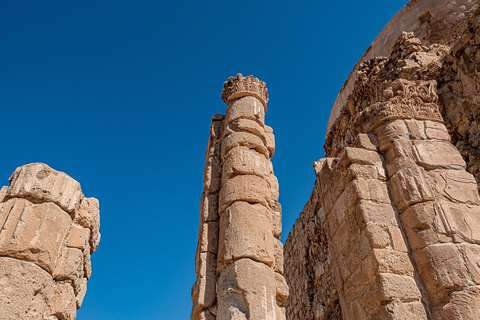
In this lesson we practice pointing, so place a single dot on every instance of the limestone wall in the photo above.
(48, 231)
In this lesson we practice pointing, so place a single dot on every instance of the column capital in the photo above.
(240, 86)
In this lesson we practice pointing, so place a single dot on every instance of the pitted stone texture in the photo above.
(243, 294)
(246, 232)
(39, 181)
(48, 261)
(247, 188)
(33, 232)
(25, 290)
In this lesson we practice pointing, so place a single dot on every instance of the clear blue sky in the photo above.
(120, 94)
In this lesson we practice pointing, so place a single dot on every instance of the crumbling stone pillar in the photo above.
(48, 232)
(436, 197)
(373, 272)
(245, 217)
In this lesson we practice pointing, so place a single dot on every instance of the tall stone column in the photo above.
(48, 231)
(436, 197)
(246, 216)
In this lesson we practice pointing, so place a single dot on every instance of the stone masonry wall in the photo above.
(48, 231)
(239, 259)
(400, 210)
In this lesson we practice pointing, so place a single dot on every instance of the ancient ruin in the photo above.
(48, 231)
(392, 227)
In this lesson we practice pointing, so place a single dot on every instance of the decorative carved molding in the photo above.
(425, 90)
(407, 100)
(240, 86)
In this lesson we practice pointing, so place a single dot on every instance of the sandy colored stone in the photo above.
(454, 186)
(203, 291)
(277, 220)
(81, 293)
(360, 156)
(244, 139)
(70, 266)
(242, 160)
(437, 154)
(247, 188)
(390, 131)
(416, 128)
(208, 237)
(3, 193)
(463, 305)
(25, 290)
(89, 217)
(238, 283)
(39, 181)
(245, 108)
(78, 237)
(246, 232)
(209, 208)
(366, 141)
(442, 270)
(245, 125)
(63, 304)
(437, 131)
(282, 289)
(410, 186)
(33, 232)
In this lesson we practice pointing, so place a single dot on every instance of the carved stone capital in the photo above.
(240, 86)
(425, 90)
(406, 100)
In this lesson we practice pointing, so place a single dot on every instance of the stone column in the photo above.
(436, 197)
(244, 216)
(48, 232)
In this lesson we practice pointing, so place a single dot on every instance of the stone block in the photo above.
(416, 128)
(274, 188)
(245, 125)
(390, 131)
(360, 156)
(243, 139)
(398, 240)
(70, 266)
(81, 294)
(78, 238)
(436, 131)
(282, 289)
(246, 232)
(247, 108)
(374, 190)
(399, 156)
(39, 181)
(204, 289)
(247, 188)
(242, 160)
(355, 171)
(382, 214)
(208, 237)
(461, 221)
(423, 226)
(410, 186)
(270, 142)
(471, 255)
(277, 220)
(89, 217)
(366, 141)
(442, 270)
(3, 193)
(33, 232)
(437, 155)
(378, 236)
(278, 253)
(212, 180)
(399, 287)
(25, 289)
(240, 286)
(454, 186)
(209, 208)
(463, 305)
(64, 304)
(390, 261)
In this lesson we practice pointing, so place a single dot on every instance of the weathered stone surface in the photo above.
(25, 290)
(63, 304)
(33, 232)
(454, 185)
(437, 154)
(243, 139)
(245, 108)
(46, 257)
(463, 305)
(410, 186)
(246, 232)
(39, 181)
(247, 188)
(243, 160)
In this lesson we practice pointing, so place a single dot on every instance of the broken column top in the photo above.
(240, 86)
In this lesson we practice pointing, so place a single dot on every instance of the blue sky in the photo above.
(120, 94)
